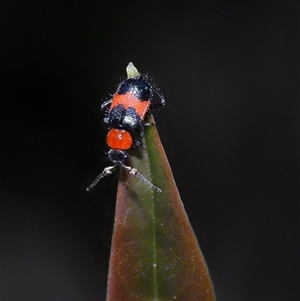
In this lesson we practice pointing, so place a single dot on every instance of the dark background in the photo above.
(229, 72)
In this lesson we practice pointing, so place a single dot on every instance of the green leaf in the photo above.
(155, 255)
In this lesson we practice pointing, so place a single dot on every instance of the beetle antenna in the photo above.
(106, 172)
(134, 171)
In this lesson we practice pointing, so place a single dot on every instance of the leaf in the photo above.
(155, 255)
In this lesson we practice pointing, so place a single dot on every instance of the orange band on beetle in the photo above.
(129, 100)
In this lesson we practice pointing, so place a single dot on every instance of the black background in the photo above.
(229, 72)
